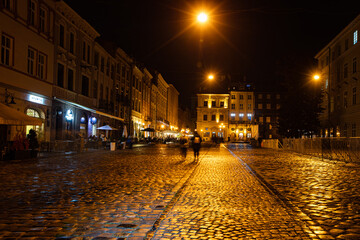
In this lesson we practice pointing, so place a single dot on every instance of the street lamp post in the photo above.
(317, 77)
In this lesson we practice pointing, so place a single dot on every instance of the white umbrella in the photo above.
(107, 128)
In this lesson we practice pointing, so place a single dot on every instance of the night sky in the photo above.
(243, 38)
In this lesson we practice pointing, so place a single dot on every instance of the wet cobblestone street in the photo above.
(112, 195)
(232, 192)
(224, 201)
(326, 191)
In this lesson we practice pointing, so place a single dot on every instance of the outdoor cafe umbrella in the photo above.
(107, 128)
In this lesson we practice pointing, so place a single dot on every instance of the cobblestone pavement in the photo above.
(98, 195)
(223, 200)
(326, 191)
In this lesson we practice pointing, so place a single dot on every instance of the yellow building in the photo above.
(212, 116)
(242, 125)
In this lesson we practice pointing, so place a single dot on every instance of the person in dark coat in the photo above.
(196, 144)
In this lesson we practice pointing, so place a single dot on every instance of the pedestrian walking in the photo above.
(196, 145)
(184, 146)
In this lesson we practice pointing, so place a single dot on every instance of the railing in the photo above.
(271, 143)
(342, 149)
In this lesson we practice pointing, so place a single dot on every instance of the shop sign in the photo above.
(69, 115)
(36, 99)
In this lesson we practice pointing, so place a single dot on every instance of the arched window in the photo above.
(32, 113)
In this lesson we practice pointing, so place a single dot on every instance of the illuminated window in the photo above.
(32, 113)
(268, 106)
(260, 96)
(249, 116)
(355, 37)
(261, 119)
(268, 119)
(259, 106)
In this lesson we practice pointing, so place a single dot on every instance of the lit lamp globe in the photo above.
(202, 17)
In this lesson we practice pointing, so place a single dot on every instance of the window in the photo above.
(60, 75)
(232, 96)
(249, 97)
(249, 106)
(42, 63)
(205, 103)
(85, 86)
(205, 117)
(70, 79)
(6, 50)
(221, 117)
(213, 103)
(353, 130)
(72, 43)
(95, 86)
(346, 44)
(102, 64)
(355, 39)
(96, 59)
(31, 61)
(241, 96)
(354, 65)
(345, 70)
(232, 106)
(268, 96)
(108, 67)
(249, 116)
(260, 96)
(345, 99)
(62, 36)
(32, 13)
(277, 106)
(221, 104)
(261, 119)
(213, 117)
(88, 54)
(259, 106)
(123, 71)
(84, 51)
(354, 96)
(42, 20)
(241, 106)
(268, 106)
(268, 119)
(7, 4)
(277, 96)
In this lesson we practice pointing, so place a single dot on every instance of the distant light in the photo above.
(316, 77)
(202, 17)
(211, 77)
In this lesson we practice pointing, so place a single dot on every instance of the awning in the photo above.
(88, 109)
(10, 116)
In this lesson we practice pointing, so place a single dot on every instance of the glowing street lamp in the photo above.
(211, 77)
(202, 17)
(316, 77)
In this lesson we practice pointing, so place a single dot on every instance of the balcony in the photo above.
(71, 96)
